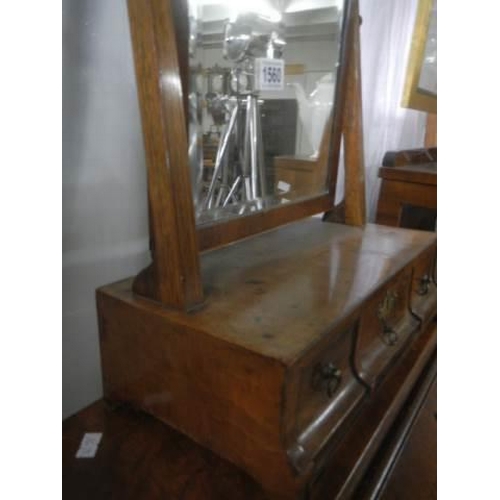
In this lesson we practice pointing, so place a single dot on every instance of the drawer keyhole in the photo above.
(326, 378)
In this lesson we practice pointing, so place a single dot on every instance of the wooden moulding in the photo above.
(173, 278)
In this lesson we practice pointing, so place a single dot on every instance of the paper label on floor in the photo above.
(88, 446)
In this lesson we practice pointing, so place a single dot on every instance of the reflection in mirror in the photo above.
(262, 86)
(428, 73)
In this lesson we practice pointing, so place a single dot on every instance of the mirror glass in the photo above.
(262, 86)
(428, 73)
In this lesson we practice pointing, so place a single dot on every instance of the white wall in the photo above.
(104, 184)
(386, 35)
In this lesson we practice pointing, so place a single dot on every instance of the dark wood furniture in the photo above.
(408, 192)
(140, 458)
(301, 328)
(292, 353)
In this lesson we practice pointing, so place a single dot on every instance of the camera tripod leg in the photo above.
(232, 191)
(221, 152)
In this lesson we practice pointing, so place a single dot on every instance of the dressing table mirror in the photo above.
(420, 89)
(289, 345)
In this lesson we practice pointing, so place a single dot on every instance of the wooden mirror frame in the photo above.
(159, 31)
(413, 96)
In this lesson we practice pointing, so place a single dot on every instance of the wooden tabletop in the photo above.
(141, 458)
(276, 294)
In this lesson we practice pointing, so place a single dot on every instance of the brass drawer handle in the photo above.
(387, 306)
(327, 377)
(384, 312)
(423, 288)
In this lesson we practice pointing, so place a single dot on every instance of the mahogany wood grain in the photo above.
(173, 278)
(414, 475)
(354, 185)
(211, 237)
(423, 300)
(409, 178)
(225, 374)
(406, 465)
(345, 466)
(350, 26)
(223, 397)
(315, 415)
(376, 348)
(394, 194)
(352, 209)
(141, 458)
(278, 281)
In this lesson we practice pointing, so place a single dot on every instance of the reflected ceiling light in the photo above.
(302, 5)
(234, 7)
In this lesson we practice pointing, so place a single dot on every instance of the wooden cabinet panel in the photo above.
(300, 324)
(424, 289)
(323, 392)
(385, 327)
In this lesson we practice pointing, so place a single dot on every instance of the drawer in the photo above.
(322, 393)
(423, 298)
(385, 327)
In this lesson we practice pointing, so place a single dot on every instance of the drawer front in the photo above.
(424, 290)
(385, 327)
(323, 392)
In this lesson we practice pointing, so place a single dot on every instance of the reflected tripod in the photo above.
(239, 171)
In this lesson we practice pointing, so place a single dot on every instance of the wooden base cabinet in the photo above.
(308, 345)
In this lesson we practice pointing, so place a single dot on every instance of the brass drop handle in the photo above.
(423, 288)
(327, 376)
(384, 313)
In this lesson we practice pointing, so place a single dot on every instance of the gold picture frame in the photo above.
(420, 89)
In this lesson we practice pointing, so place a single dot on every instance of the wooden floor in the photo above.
(141, 458)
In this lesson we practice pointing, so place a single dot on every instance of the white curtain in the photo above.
(386, 34)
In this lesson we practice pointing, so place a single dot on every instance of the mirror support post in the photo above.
(173, 278)
(352, 209)
(355, 196)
